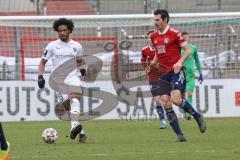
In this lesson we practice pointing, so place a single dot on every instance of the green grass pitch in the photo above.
(129, 140)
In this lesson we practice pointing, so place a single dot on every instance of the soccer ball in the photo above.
(49, 135)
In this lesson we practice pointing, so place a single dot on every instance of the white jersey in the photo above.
(60, 52)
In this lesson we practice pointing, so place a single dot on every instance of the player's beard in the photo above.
(64, 38)
(157, 27)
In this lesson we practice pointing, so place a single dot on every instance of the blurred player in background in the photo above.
(168, 43)
(5, 146)
(60, 51)
(148, 54)
(190, 72)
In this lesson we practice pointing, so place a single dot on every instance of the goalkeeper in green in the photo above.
(190, 72)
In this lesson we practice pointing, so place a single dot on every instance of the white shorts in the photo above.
(72, 80)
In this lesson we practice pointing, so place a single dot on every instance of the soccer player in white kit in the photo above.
(60, 51)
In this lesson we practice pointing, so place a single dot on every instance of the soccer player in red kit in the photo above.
(168, 43)
(148, 53)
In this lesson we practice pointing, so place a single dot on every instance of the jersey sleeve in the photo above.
(180, 40)
(80, 51)
(143, 59)
(197, 62)
(47, 52)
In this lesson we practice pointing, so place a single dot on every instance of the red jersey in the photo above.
(168, 45)
(148, 54)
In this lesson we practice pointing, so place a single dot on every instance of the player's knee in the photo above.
(177, 100)
(158, 101)
(176, 97)
(75, 106)
(166, 102)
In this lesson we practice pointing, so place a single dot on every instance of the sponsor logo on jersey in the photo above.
(161, 49)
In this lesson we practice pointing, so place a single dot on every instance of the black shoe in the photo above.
(188, 117)
(181, 138)
(82, 138)
(201, 124)
(75, 131)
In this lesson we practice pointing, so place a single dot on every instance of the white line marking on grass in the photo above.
(115, 154)
(152, 153)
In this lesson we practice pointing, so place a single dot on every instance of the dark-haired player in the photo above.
(168, 43)
(60, 51)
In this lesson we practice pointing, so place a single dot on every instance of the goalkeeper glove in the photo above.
(41, 81)
(200, 78)
(83, 72)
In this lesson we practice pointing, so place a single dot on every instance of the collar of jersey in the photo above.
(65, 42)
(165, 30)
(151, 48)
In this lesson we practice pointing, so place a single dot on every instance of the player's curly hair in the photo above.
(63, 21)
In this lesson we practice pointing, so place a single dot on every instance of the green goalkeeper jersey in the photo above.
(192, 60)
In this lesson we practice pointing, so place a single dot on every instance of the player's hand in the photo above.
(200, 78)
(83, 72)
(152, 65)
(41, 81)
(177, 67)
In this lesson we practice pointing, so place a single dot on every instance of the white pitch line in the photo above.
(123, 153)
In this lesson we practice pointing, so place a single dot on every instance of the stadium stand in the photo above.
(80, 7)
(70, 7)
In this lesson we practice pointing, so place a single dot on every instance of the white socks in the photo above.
(74, 113)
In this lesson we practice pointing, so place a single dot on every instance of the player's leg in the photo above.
(189, 99)
(187, 94)
(190, 85)
(178, 80)
(159, 108)
(72, 105)
(76, 127)
(172, 118)
(5, 146)
(160, 112)
(167, 104)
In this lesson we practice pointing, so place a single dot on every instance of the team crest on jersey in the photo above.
(166, 40)
(74, 49)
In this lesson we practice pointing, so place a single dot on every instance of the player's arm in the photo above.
(197, 61)
(178, 66)
(41, 66)
(41, 69)
(144, 61)
(187, 53)
(198, 65)
(81, 65)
